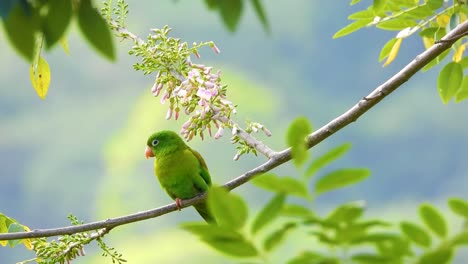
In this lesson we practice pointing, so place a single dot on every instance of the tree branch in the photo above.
(278, 158)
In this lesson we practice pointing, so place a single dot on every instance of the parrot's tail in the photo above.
(203, 211)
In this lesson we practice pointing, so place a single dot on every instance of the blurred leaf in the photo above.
(259, 10)
(378, 5)
(415, 233)
(287, 185)
(340, 178)
(296, 139)
(363, 14)
(435, 4)
(367, 258)
(274, 239)
(228, 209)
(353, 2)
(95, 29)
(223, 239)
(395, 248)
(347, 213)
(350, 28)
(386, 49)
(310, 257)
(231, 11)
(433, 219)
(420, 12)
(6, 6)
(443, 20)
(325, 238)
(396, 24)
(393, 52)
(376, 238)
(296, 211)
(327, 158)
(211, 4)
(453, 22)
(461, 239)
(20, 29)
(57, 20)
(459, 206)
(462, 93)
(439, 256)
(64, 43)
(436, 60)
(14, 228)
(269, 212)
(450, 79)
(40, 77)
(464, 62)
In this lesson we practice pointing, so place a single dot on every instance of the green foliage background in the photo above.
(81, 150)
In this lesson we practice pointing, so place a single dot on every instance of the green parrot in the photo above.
(181, 171)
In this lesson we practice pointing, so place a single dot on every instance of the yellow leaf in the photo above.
(27, 242)
(443, 20)
(428, 42)
(459, 53)
(393, 52)
(64, 43)
(40, 77)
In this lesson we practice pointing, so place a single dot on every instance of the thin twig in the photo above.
(279, 158)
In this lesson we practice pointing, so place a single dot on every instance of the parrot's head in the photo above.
(163, 143)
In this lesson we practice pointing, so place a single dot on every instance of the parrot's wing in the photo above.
(204, 173)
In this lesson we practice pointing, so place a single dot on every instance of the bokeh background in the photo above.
(80, 151)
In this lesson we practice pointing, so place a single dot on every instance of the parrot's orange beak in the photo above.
(148, 153)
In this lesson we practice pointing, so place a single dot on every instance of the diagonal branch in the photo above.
(278, 158)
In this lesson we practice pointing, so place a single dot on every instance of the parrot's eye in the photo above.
(154, 142)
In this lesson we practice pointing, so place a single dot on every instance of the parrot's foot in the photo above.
(178, 203)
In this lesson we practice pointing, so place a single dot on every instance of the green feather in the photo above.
(181, 171)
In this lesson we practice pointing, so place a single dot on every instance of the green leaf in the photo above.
(378, 5)
(269, 212)
(326, 159)
(420, 12)
(228, 209)
(433, 219)
(347, 213)
(462, 93)
(14, 228)
(376, 238)
(6, 6)
(310, 257)
(20, 29)
(459, 206)
(363, 14)
(436, 60)
(211, 4)
(415, 234)
(274, 239)
(295, 210)
(450, 79)
(435, 4)
(259, 10)
(296, 139)
(464, 62)
(396, 24)
(461, 239)
(223, 239)
(350, 28)
(95, 29)
(287, 185)
(353, 2)
(439, 256)
(57, 20)
(454, 21)
(367, 258)
(340, 178)
(386, 49)
(231, 11)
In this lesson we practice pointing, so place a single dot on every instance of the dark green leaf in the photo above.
(259, 10)
(450, 79)
(287, 185)
(415, 234)
(296, 139)
(356, 25)
(223, 239)
(367, 258)
(386, 49)
(274, 239)
(378, 5)
(459, 206)
(6, 6)
(439, 256)
(347, 213)
(462, 93)
(433, 219)
(20, 29)
(296, 211)
(57, 20)
(228, 209)
(340, 178)
(429, 32)
(269, 212)
(396, 24)
(95, 29)
(211, 4)
(435, 4)
(231, 11)
(327, 158)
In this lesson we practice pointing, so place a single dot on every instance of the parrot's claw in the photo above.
(178, 203)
